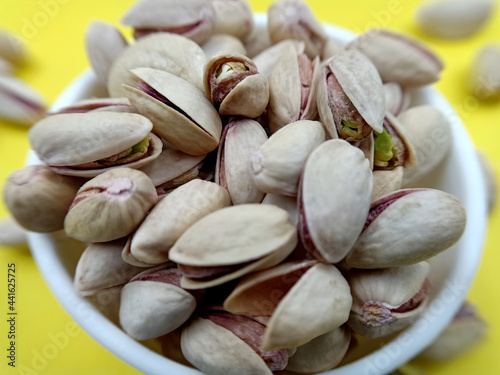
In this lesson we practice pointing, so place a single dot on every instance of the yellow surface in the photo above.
(54, 31)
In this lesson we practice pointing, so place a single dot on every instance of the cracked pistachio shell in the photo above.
(216, 350)
(294, 19)
(38, 198)
(97, 104)
(292, 89)
(233, 17)
(19, 102)
(171, 217)
(319, 289)
(239, 141)
(250, 237)
(485, 75)
(276, 169)
(110, 206)
(103, 43)
(429, 131)
(386, 181)
(396, 98)
(152, 303)
(334, 199)
(163, 51)
(12, 48)
(101, 266)
(387, 300)
(399, 58)
(453, 19)
(433, 221)
(180, 113)
(87, 144)
(193, 20)
(321, 353)
(350, 91)
(234, 85)
(267, 59)
(11, 233)
(289, 204)
(223, 42)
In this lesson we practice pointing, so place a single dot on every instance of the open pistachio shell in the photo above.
(396, 98)
(19, 102)
(174, 214)
(194, 20)
(164, 51)
(180, 113)
(267, 59)
(277, 170)
(333, 208)
(386, 181)
(246, 237)
(429, 131)
(234, 85)
(215, 349)
(351, 99)
(38, 198)
(110, 206)
(322, 353)
(433, 221)
(387, 300)
(97, 104)
(240, 140)
(87, 144)
(153, 304)
(101, 266)
(399, 58)
(289, 204)
(319, 290)
(294, 19)
(292, 89)
(233, 17)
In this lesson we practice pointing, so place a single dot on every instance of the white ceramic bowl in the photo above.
(452, 271)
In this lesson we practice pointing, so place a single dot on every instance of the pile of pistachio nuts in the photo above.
(245, 190)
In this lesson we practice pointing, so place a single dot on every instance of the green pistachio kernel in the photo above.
(350, 129)
(140, 147)
(384, 149)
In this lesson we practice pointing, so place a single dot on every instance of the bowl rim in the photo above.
(381, 361)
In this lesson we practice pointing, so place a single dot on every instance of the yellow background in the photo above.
(55, 41)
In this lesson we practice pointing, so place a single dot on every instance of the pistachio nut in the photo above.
(397, 99)
(434, 220)
(97, 104)
(239, 141)
(101, 266)
(12, 48)
(351, 99)
(294, 19)
(277, 170)
(399, 58)
(391, 146)
(321, 353)
(453, 19)
(223, 42)
(38, 198)
(103, 44)
(387, 300)
(193, 20)
(87, 144)
(218, 342)
(180, 113)
(332, 47)
(465, 331)
(484, 76)
(292, 89)
(153, 304)
(429, 131)
(231, 242)
(110, 206)
(489, 178)
(319, 290)
(234, 85)
(333, 209)
(171, 53)
(386, 181)
(233, 17)
(267, 59)
(289, 204)
(171, 217)
(19, 102)
(173, 168)
(11, 233)
(257, 41)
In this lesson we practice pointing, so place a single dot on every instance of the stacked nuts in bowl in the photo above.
(246, 192)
